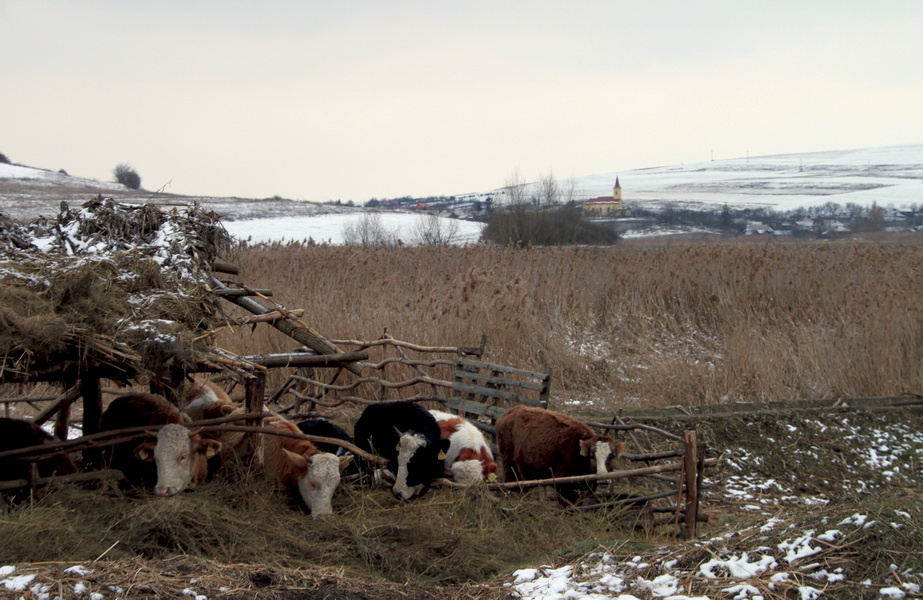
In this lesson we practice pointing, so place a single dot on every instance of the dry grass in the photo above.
(644, 326)
(446, 538)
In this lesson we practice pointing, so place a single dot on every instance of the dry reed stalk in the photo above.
(679, 324)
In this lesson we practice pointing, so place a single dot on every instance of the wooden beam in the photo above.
(241, 292)
(300, 359)
(621, 474)
(13, 484)
(294, 328)
(220, 267)
(61, 402)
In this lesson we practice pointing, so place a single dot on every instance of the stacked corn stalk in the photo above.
(114, 285)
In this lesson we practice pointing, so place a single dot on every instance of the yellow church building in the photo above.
(605, 206)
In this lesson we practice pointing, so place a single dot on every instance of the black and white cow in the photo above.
(409, 438)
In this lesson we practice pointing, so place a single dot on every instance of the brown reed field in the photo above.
(634, 326)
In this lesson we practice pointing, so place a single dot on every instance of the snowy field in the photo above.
(330, 228)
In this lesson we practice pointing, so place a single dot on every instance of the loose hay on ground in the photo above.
(448, 537)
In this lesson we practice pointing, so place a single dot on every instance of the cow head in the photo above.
(467, 472)
(317, 477)
(601, 450)
(474, 466)
(181, 457)
(419, 461)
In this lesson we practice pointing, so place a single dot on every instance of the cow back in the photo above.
(16, 434)
(535, 443)
(324, 428)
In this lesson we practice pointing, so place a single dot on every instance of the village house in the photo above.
(605, 206)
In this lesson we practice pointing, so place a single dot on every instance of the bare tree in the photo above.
(368, 231)
(433, 230)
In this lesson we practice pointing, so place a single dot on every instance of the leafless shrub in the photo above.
(127, 176)
(432, 230)
(369, 232)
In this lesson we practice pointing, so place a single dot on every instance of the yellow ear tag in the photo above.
(441, 455)
(491, 478)
(210, 452)
(583, 451)
(398, 447)
(143, 454)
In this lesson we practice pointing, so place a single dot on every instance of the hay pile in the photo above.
(115, 287)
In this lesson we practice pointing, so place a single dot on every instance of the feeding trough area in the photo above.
(111, 297)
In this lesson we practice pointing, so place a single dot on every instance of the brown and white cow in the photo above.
(177, 460)
(469, 458)
(295, 463)
(204, 399)
(536, 444)
(299, 464)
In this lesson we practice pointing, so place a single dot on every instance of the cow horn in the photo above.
(195, 433)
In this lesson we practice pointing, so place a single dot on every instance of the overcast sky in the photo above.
(355, 99)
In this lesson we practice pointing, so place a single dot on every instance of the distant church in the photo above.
(605, 206)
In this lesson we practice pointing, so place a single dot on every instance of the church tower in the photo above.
(617, 191)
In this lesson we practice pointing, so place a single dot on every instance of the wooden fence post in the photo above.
(92, 396)
(254, 389)
(690, 471)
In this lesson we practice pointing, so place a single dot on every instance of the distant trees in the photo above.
(4, 159)
(543, 214)
(127, 176)
(874, 220)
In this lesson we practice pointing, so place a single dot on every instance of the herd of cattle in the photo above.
(418, 445)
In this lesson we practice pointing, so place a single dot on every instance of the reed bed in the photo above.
(630, 326)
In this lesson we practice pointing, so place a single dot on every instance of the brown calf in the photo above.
(537, 444)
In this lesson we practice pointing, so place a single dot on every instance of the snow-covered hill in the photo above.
(890, 176)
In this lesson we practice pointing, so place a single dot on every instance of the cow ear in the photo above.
(145, 451)
(345, 460)
(227, 409)
(618, 449)
(299, 464)
(212, 448)
(584, 447)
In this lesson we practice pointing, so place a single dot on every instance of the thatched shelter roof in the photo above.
(117, 288)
